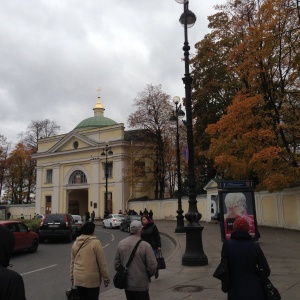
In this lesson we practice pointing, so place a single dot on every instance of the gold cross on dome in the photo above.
(98, 90)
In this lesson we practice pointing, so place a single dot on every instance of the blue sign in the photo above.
(237, 184)
(185, 153)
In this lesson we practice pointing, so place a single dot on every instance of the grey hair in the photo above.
(135, 226)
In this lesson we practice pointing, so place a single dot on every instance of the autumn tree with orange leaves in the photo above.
(20, 174)
(258, 135)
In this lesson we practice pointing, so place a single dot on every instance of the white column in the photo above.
(94, 187)
(39, 202)
(118, 196)
(56, 185)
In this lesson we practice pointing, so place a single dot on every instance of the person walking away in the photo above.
(142, 267)
(151, 235)
(8, 215)
(88, 266)
(243, 255)
(87, 216)
(11, 283)
(151, 214)
(93, 216)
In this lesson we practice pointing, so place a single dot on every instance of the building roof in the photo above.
(97, 121)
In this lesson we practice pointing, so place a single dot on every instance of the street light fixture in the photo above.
(194, 254)
(179, 114)
(105, 152)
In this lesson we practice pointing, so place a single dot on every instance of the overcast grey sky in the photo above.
(56, 53)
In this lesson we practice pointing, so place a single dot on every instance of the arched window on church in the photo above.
(77, 177)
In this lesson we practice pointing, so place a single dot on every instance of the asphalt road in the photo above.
(46, 272)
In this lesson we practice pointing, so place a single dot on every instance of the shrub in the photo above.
(34, 225)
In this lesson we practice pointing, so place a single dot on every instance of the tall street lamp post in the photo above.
(194, 254)
(179, 114)
(106, 151)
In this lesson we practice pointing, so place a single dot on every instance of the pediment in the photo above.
(212, 184)
(72, 141)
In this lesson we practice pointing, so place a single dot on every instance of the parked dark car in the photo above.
(25, 239)
(60, 226)
(125, 224)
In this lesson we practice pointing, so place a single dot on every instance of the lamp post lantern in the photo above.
(105, 152)
(194, 254)
(179, 114)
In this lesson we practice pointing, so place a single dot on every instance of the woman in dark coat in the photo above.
(151, 235)
(243, 257)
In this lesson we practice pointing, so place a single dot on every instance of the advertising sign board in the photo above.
(236, 200)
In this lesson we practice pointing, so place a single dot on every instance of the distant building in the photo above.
(71, 170)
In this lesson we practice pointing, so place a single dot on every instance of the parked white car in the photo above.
(78, 222)
(113, 220)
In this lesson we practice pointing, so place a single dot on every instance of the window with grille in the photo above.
(77, 177)
(109, 169)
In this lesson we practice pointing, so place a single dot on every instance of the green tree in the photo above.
(213, 89)
(258, 137)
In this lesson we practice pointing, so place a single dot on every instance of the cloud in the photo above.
(55, 54)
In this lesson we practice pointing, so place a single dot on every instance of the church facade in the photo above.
(83, 170)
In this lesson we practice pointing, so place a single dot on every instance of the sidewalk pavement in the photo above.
(177, 282)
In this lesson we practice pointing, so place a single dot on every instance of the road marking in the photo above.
(112, 237)
(37, 270)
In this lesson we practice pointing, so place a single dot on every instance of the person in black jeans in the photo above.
(151, 235)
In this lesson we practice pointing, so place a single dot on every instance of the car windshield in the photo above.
(119, 217)
(54, 218)
(76, 218)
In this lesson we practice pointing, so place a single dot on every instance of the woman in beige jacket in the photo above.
(88, 264)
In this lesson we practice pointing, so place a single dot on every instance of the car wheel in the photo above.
(34, 246)
(110, 226)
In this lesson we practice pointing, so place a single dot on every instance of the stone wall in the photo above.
(278, 209)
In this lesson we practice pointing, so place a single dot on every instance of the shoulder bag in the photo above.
(270, 291)
(161, 264)
(222, 270)
(120, 277)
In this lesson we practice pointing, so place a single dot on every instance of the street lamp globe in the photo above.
(176, 99)
(190, 19)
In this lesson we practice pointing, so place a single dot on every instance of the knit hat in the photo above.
(88, 228)
(135, 226)
(241, 224)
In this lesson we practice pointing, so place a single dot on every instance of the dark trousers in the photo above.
(134, 295)
(88, 293)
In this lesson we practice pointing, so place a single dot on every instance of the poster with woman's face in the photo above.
(237, 205)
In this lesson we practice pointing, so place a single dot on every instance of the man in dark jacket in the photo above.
(142, 267)
(11, 283)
